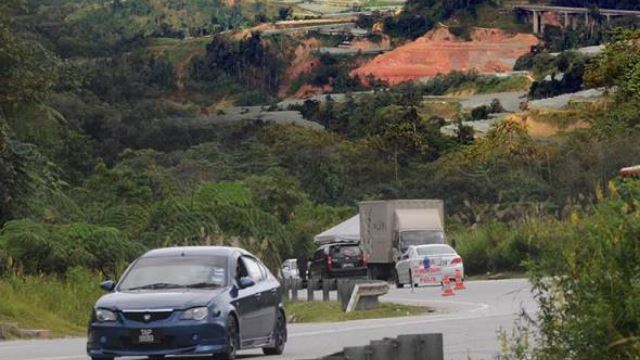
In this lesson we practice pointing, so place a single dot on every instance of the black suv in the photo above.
(338, 260)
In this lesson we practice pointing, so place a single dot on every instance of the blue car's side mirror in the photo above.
(108, 285)
(246, 282)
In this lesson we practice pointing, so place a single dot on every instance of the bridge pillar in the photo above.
(566, 20)
(608, 19)
(536, 23)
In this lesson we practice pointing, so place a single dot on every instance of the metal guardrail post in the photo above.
(339, 286)
(326, 288)
(334, 285)
(294, 290)
(311, 287)
(285, 289)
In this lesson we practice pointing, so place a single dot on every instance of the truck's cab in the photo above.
(409, 238)
(415, 227)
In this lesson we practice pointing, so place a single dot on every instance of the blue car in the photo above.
(189, 301)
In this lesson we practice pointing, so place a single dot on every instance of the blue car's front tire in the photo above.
(279, 336)
(233, 340)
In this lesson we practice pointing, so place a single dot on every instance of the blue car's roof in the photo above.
(194, 251)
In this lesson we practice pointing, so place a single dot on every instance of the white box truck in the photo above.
(388, 228)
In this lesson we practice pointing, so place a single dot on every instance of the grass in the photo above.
(447, 109)
(60, 304)
(304, 312)
(177, 50)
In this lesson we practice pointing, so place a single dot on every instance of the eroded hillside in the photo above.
(439, 51)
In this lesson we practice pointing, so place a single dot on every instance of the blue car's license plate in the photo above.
(146, 336)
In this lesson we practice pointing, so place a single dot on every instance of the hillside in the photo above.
(440, 52)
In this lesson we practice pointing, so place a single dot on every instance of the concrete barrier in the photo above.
(404, 347)
(365, 296)
(347, 288)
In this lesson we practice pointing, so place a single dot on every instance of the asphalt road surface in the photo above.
(469, 321)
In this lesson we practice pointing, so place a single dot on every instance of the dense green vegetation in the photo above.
(252, 62)
(420, 16)
(120, 166)
(585, 282)
(554, 75)
(472, 81)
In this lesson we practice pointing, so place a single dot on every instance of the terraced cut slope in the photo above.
(439, 51)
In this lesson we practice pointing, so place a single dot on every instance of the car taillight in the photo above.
(329, 261)
(365, 259)
(456, 260)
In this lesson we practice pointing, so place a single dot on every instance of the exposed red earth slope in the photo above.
(439, 51)
(303, 61)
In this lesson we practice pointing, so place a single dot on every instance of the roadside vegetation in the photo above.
(469, 83)
(61, 304)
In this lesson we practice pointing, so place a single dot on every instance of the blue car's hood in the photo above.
(165, 299)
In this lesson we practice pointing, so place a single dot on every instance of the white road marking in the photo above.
(432, 319)
(71, 357)
(478, 306)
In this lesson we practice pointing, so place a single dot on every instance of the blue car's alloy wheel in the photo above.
(280, 336)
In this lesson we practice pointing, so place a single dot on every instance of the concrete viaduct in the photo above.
(571, 14)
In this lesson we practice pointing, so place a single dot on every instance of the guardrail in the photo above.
(404, 347)
(353, 294)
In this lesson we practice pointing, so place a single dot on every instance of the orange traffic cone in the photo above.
(459, 283)
(446, 287)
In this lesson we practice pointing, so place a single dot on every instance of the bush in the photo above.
(497, 247)
(480, 112)
(37, 248)
(588, 287)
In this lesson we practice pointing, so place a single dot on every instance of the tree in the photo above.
(276, 193)
(618, 65)
(27, 70)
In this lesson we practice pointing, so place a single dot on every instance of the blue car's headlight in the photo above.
(104, 315)
(199, 313)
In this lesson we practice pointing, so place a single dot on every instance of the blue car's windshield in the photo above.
(156, 273)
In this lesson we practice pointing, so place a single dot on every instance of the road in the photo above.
(469, 321)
